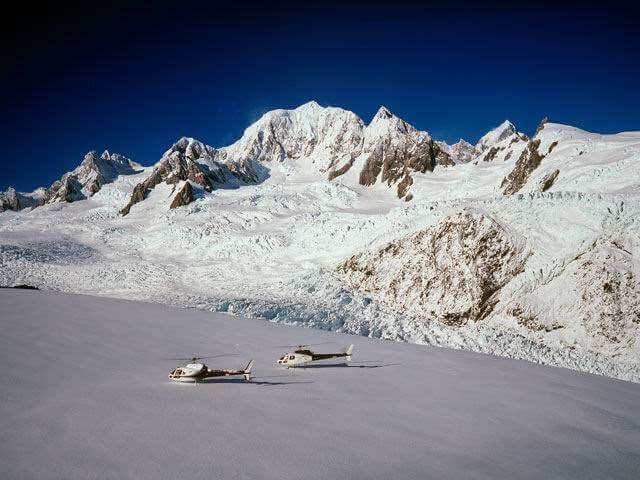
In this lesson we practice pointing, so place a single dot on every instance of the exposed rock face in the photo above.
(529, 160)
(450, 272)
(547, 182)
(491, 154)
(183, 197)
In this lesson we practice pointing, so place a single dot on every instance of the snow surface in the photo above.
(85, 395)
(271, 250)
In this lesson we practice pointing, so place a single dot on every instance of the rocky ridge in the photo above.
(326, 141)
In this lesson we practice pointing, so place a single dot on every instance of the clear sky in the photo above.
(134, 80)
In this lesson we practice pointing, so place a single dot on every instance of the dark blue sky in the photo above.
(135, 80)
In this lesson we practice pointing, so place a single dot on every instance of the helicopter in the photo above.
(303, 355)
(196, 371)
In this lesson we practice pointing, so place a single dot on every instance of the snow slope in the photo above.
(272, 244)
(85, 394)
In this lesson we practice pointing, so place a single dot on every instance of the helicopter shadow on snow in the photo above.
(256, 381)
(361, 364)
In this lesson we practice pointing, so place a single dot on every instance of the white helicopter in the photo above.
(303, 355)
(197, 371)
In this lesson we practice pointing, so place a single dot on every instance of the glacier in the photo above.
(270, 221)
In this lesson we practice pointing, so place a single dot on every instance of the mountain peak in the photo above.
(462, 143)
(310, 105)
(499, 133)
(507, 125)
(383, 112)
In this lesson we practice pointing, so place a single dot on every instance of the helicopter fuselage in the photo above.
(198, 372)
(304, 356)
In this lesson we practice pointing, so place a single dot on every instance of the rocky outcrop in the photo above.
(392, 163)
(491, 154)
(450, 272)
(183, 197)
(528, 161)
(403, 187)
(547, 182)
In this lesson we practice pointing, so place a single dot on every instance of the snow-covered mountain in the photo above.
(89, 177)
(10, 199)
(461, 151)
(518, 246)
(85, 180)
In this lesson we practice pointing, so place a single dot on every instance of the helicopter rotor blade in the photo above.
(202, 357)
(302, 345)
